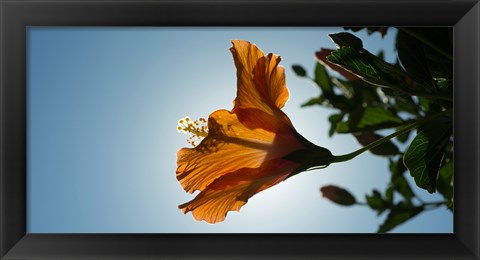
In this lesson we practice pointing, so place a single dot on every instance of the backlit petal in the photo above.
(232, 191)
(260, 81)
(235, 140)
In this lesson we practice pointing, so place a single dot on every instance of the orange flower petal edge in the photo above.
(248, 149)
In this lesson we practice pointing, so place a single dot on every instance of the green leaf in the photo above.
(314, 101)
(439, 65)
(439, 36)
(346, 40)
(354, 29)
(369, 119)
(369, 68)
(337, 101)
(444, 183)
(406, 104)
(445, 86)
(425, 153)
(388, 148)
(323, 79)
(322, 55)
(403, 137)
(399, 214)
(299, 70)
(441, 70)
(411, 54)
(362, 93)
(389, 194)
(338, 195)
(376, 202)
(398, 180)
(424, 103)
(381, 55)
(357, 63)
(334, 120)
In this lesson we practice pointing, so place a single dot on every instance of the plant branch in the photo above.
(433, 205)
(349, 156)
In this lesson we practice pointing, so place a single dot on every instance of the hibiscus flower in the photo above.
(248, 149)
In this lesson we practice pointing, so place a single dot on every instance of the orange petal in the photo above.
(232, 191)
(260, 81)
(234, 141)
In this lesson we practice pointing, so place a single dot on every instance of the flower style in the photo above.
(248, 149)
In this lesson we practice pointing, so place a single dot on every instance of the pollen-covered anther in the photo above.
(197, 129)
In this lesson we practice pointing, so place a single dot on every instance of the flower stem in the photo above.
(349, 156)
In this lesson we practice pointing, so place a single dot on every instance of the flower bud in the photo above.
(338, 195)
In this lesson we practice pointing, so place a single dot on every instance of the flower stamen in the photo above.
(197, 129)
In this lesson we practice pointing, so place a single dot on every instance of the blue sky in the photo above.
(103, 106)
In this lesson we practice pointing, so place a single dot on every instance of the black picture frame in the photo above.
(17, 15)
